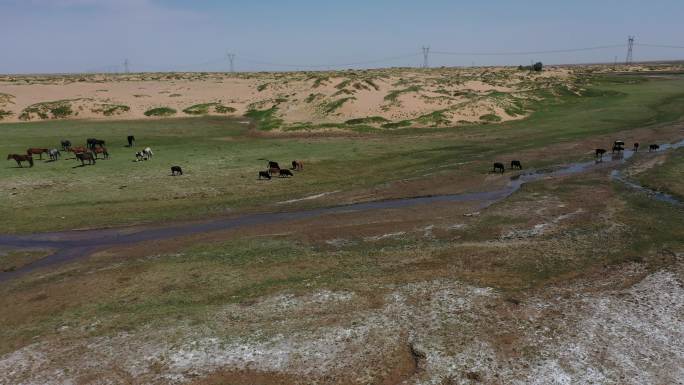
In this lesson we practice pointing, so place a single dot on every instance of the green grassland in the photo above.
(667, 177)
(221, 157)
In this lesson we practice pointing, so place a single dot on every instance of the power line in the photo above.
(659, 45)
(425, 52)
(290, 65)
(515, 53)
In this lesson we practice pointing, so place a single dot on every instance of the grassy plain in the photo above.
(221, 157)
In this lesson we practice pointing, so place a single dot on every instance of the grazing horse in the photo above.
(284, 173)
(516, 164)
(599, 153)
(92, 143)
(297, 165)
(265, 175)
(274, 171)
(101, 150)
(54, 154)
(498, 166)
(131, 140)
(176, 170)
(37, 151)
(653, 147)
(147, 152)
(83, 156)
(66, 144)
(139, 156)
(77, 149)
(272, 164)
(21, 158)
(636, 146)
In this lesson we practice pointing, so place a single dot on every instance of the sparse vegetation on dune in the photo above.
(160, 111)
(314, 99)
(207, 108)
(111, 109)
(59, 109)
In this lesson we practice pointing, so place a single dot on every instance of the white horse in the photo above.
(54, 154)
(148, 152)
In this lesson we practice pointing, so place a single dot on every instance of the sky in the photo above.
(57, 36)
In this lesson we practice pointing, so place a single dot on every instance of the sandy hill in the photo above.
(386, 97)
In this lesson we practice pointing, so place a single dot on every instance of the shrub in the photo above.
(367, 120)
(493, 118)
(5, 113)
(160, 111)
(205, 108)
(265, 119)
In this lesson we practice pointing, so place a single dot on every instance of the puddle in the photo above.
(73, 245)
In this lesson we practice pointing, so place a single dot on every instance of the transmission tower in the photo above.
(630, 48)
(126, 69)
(426, 53)
(231, 60)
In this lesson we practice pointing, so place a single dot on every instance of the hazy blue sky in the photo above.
(82, 35)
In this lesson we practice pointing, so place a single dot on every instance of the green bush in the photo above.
(160, 111)
(492, 118)
(367, 120)
(205, 108)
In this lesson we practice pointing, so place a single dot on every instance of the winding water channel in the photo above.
(73, 245)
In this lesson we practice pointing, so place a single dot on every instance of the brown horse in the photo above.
(101, 150)
(77, 149)
(37, 151)
(21, 158)
(297, 165)
(83, 156)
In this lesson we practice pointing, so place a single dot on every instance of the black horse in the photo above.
(85, 156)
(131, 140)
(92, 143)
(272, 164)
(516, 164)
(599, 153)
(498, 166)
(636, 146)
(285, 173)
(66, 145)
(176, 170)
(653, 147)
(265, 175)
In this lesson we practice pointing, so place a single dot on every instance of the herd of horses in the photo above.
(618, 147)
(94, 147)
(274, 169)
(87, 153)
(499, 167)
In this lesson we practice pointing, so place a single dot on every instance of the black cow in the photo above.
(176, 170)
(516, 164)
(498, 166)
